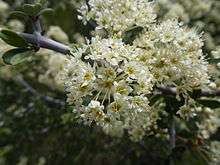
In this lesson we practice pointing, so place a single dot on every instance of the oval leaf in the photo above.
(13, 38)
(46, 11)
(32, 9)
(28, 9)
(19, 14)
(211, 103)
(17, 55)
(214, 61)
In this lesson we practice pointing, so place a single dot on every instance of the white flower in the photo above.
(109, 91)
(117, 15)
(93, 112)
(174, 55)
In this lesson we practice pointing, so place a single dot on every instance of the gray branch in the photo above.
(172, 134)
(197, 93)
(44, 42)
(19, 79)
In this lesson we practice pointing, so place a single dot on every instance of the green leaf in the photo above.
(192, 157)
(214, 60)
(211, 103)
(13, 38)
(19, 14)
(131, 33)
(32, 9)
(42, 2)
(46, 11)
(17, 55)
(154, 99)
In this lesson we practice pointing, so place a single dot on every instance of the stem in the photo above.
(196, 94)
(172, 133)
(46, 43)
(42, 42)
(36, 24)
(19, 79)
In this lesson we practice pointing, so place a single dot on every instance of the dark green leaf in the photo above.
(46, 11)
(17, 55)
(154, 99)
(130, 34)
(13, 38)
(37, 7)
(212, 103)
(42, 2)
(32, 9)
(192, 157)
(28, 9)
(214, 61)
(19, 14)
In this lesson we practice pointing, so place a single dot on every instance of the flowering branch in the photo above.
(43, 42)
(197, 93)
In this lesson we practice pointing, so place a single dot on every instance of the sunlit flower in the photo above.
(117, 16)
(109, 85)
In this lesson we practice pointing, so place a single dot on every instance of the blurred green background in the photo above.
(39, 132)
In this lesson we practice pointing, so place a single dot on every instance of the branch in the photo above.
(172, 133)
(46, 43)
(19, 79)
(36, 24)
(40, 41)
(197, 93)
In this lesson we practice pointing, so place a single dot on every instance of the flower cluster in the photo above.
(109, 81)
(110, 89)
(174, 54)
(203, 14)
(117, 16)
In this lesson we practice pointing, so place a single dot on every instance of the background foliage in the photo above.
(37, 130)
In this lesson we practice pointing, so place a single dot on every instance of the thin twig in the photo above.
(172, 134)
(197, 93)
(19, 79)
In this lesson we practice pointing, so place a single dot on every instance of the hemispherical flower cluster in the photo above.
(108, 81)
(117, 15)
(203, 14)
(110, 88)
(174, 54)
